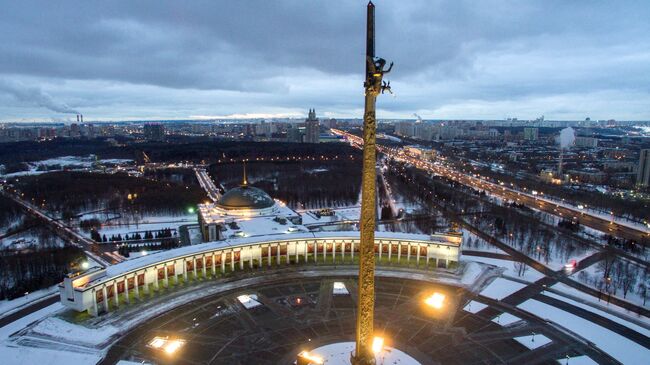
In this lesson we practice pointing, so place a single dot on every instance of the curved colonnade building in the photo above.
(246, 229)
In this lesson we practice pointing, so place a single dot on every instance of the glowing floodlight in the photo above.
(435, 300)
(309, 359)
(377, 344)
(85, 265)
(165, 344)
(173, 346)
(157, 342)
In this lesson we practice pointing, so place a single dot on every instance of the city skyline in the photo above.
(123, 61)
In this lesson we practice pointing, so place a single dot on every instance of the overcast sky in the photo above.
(118, 60)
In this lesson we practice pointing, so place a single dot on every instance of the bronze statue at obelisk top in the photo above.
(365, 307)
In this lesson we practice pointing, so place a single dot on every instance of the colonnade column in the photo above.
(94, 308)
(399, 251)
(203, 266)
(166, 282)
(105, 292)
(145, 286)
(135, 287)
(115, 294)
(126, 290)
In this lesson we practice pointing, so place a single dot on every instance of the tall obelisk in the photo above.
(365, 306)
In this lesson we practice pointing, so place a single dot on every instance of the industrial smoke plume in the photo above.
(34, 96)
(567, 137)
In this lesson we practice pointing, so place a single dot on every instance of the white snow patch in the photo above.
(249, 301)
(505, 319)
(58, 328)
(533, 341)
(501, 288)
(471, 273)
(530, 274)
(21, 355)
(617, 346)
(339, 289)
(474, 307)
(577, 360)
(630, 325)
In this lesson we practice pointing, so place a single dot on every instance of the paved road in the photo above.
(100, 253)
(54, 298)
(538, 202)
(207, 184)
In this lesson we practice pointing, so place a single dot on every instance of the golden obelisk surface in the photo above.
(366, 295)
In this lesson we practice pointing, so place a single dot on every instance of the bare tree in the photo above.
(521, 268)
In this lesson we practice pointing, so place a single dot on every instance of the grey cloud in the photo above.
(34, 96)
(266, 52)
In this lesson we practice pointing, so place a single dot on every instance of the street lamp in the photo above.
(435, 300)
(377, 344)
(306, 358)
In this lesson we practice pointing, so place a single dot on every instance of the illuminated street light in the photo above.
(435, 300)
(165, 344)
(377, 344)
(173, 346)
(305, 358)
(85, 265)
(190, 210)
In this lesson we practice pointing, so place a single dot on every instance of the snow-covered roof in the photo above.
(163, 256)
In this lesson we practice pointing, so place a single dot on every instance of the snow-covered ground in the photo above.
(505, 319)
(10, 306)
(533, 341)
(592, 273)
(617, 346)
(577, 360)
(501, 288)
(643, 330)
(510, 267)
(12, 353)
(66, 163)
(147, 223)
(474, 307)
(474, 243)
(596, 305)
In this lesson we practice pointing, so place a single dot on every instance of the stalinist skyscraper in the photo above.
(312, 128)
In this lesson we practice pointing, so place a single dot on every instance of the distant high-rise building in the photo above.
(154, 132)
(643, 171)
(75, 131)
(329, 123)
(531, 134)
(312, 128)
(294, 134)
(589, 142)
(405, 128)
